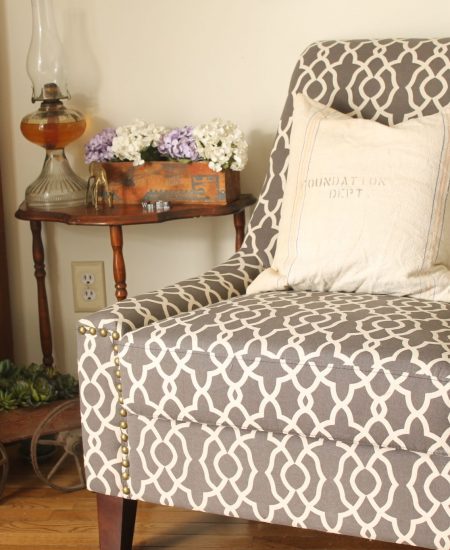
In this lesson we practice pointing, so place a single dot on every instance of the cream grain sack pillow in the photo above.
(364, 206)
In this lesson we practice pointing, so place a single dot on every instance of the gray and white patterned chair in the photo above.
(328, 411)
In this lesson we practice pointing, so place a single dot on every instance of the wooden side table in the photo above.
(114, 218)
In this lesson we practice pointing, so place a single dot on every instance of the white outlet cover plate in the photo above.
(95, 271)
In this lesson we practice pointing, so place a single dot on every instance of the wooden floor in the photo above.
(35, 517)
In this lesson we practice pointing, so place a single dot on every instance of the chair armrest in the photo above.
(97, 356)
(229, 279)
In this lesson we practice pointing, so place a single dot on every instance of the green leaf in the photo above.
(151, 154)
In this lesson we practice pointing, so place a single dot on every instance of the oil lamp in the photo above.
(53, 126)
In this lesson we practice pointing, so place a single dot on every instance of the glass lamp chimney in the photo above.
(45, 60)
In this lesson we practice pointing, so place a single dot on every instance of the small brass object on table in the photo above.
(98, 188)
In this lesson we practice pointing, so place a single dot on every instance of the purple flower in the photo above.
(179, 144)
(98, 149)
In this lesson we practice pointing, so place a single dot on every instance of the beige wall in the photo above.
(172, 62)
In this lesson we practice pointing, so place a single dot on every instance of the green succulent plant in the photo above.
(7, 367)
(66, 386)
(33, 385)
(21, 389)
(7, 400)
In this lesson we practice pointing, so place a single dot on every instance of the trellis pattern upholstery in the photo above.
(321, 410)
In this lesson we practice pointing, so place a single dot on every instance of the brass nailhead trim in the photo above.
(103, 332)
(92, 331)
(82, 330)
(123, 413)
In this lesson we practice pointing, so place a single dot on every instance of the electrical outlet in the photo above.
(89, 294)
(87, 278)
(88, 281)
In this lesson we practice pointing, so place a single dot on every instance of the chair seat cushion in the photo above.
(346, 367)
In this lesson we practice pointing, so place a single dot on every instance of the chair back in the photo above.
(389, 81)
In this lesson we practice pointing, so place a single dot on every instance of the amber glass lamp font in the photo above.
(53, 126)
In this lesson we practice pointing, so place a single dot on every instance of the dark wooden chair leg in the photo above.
(239, 225)
(115, 522)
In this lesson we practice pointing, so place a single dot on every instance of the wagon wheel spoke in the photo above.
(55, 470)
(50, 442)
(80, 468)
(57, 466)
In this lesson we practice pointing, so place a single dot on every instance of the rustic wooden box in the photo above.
(171, 181)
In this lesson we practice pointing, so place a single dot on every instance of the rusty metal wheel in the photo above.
(62, 467)
(4, 467)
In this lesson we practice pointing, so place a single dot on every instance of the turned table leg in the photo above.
(44, 315)
(116, 518)
(118, 261)
(239, 225)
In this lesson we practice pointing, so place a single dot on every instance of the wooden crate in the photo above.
(171, 181)
(21, 423)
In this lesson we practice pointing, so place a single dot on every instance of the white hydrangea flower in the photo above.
(132, 139)
(223, 144)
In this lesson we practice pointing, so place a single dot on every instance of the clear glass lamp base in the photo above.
(57, 186)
